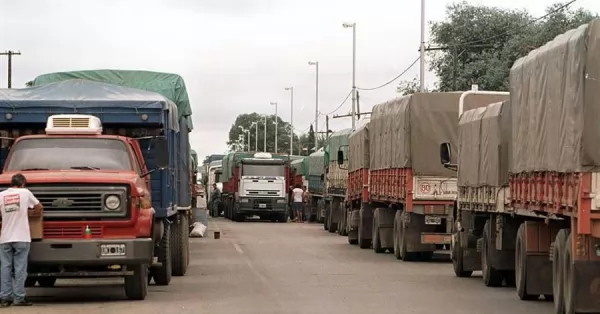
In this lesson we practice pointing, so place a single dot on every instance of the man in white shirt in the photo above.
(15, 205)
(297, 193)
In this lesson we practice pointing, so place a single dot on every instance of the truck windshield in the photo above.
(69, 153)
(263, 170)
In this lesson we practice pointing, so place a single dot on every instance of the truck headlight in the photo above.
(112, 202)
(244, 200)
(281, 201)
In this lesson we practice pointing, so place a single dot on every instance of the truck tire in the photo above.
(180, 246)
(558, 281)
(162, 274)
(491, 276)
(326, 220)
(363, 241)
(46, 282)
(457, 259)
(332, 225)
(376, 240)
(342, 221)
(521, 266)
(136, 285)
(406, 256)
(397, 222)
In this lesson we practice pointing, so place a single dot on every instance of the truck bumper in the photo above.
(92, 252)
(261, 206)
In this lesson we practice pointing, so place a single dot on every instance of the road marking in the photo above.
(238, 248)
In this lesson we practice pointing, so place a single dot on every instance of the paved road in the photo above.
(262, 267)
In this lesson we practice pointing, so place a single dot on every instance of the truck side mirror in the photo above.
(445, 153)
(161, 151)
(340, 157)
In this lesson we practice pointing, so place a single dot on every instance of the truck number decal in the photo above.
(425, 188)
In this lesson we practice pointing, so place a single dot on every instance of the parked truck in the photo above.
(408, 209)
(256, 184)
(213, 177)
(171, 192)
(316, 185)
(336, 179)
(104, 160)
(358, 186)
(528, 197)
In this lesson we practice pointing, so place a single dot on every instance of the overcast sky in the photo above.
(236, 56)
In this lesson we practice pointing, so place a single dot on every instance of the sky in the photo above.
(236, 56)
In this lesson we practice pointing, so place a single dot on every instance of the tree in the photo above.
(29, 84)
(246, 121)
(408, 87)
(479, 44)
(311, 140)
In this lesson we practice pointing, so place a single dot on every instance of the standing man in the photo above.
(215, 200)
(298, 192)
(16, 205)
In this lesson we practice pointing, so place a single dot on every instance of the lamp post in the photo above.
(265, 136)
(316, 64)
(276, 119)
(353, 26)
(291, 89)
(255, 124)
(247, 131)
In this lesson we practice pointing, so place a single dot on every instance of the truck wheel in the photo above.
(491, 276)
(568, 277)
(521, 266)
(333, 226)
(46, 282)
(180, 246)
(281, 217)
(235, 216)
(406, 256)
(376, 241)
(397, 222)
(558, 281)
(30, 282)
(162, 274)
(457, 259)
(326, 219)
(136, 285)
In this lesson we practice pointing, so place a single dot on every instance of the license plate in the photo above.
(112, 250)
(262, 205)
(432, 220)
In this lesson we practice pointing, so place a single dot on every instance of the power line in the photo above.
(395, 78)
(524, 25)
(336, 109)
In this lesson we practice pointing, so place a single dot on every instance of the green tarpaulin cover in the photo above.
(169, 85)
(194, 156)
(301, 166)
(338, 141)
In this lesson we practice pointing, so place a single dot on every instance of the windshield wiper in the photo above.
(32, 169)
(85, 168)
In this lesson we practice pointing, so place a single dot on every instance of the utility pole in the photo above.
(327, 127)
(265, 139)
(10, 53)
(353, 26)
(256, 136)
(276, 120)
(422, 50)
(291, 89)
(316, 64)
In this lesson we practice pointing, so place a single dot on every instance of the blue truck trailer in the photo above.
(175, 211)
(81, 234)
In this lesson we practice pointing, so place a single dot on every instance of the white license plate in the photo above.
(112, 250)
(432, 220)
(262, 205)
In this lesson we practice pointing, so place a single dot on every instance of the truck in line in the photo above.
(255, 184)
(528, 178)
(316, 185)
(100, 158)
(213, 176)
(336, 177)
(400, 197)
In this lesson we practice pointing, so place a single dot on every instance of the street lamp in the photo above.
(265, 137)
(247, 131)
(276, 119)
(353, 26)
(291, 89)
(316, 64)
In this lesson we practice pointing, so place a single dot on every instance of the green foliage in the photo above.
(481, 43)
(408, 87)
(29, 84)
(246, 120)
(311, 140)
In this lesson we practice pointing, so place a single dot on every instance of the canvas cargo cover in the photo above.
(194, 157)
(555, 92)
(494, 151)
(338, 141)
(469, 142)
(169, 85)
(300, 166)
(358, 154)
(407, 131)
(316, 163)
(87, 94)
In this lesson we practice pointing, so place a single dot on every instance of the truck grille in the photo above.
(71, 232)
(61, 201)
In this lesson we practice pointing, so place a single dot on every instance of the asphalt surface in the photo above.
(263, 267)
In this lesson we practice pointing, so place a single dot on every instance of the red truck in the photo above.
(529, 180)
(401, 198)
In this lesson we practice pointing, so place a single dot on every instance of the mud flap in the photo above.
(385, 223)
(539, 275)
(587, 286)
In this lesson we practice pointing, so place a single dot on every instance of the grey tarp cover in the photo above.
(407, 131)
(87, 94)
(359, 148)
(484, 143)
(555, 92)
(316, 163)
(469, 142)
(338, 141)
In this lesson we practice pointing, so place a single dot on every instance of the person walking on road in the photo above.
(16, 205)
(297, 204)
(215, 200)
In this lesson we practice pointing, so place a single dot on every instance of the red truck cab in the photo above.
(98, 215)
